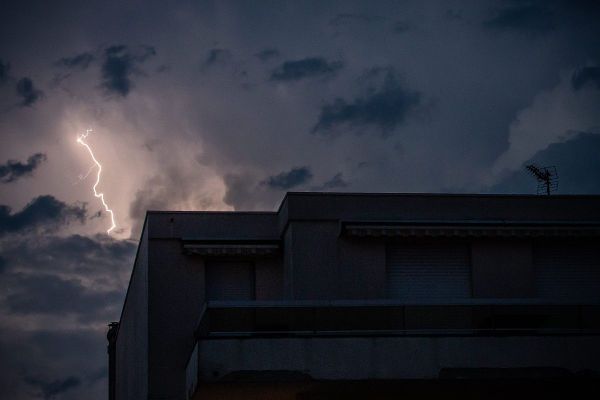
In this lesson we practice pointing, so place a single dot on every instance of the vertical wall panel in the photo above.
(269, 279)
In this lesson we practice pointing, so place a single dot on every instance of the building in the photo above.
(362, 295)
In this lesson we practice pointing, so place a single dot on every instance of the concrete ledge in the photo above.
(394, 357)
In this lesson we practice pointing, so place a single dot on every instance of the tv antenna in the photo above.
(547, 178)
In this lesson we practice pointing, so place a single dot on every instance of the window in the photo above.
(428, 271)
(230, 280)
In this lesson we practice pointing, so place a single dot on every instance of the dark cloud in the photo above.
(99, 258)
(336, 182)
(585, 76)
(454, 15)
(52, 364)
(286, 180)
(481, 86)
(385, 106)
(97, 248)
(401, 27)
(576, 161)
(81, 61)
(50, 390)
(344, 19)
(49, 294)
(4, 71)
(13, 170)
(120, 64)
(75, 284)
(78, 276)
(524, 18)
(267, 54)
(312, 67)
(43, 212)
(29, 93)
(217, 56)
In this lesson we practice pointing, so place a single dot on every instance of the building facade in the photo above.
(361, 295)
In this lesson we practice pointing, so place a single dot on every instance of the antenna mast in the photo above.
(547, 178)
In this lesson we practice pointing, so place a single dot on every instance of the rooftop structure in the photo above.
(343, 295)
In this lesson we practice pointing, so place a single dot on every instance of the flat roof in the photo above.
(356, 207)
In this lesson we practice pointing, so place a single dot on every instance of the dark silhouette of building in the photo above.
(364, 296)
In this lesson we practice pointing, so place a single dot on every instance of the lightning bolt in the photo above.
(81, 140)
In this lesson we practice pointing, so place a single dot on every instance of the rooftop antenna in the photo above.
(547, 178)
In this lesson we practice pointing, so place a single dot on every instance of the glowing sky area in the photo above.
(81, 139)
(227, 105)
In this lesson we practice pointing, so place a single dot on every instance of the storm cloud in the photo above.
(289, 179)
(87, 264)
(4, 71)
(81, 61)
(12, 170)
(577, 163)
(311, 67)
(267, 54)
(586, 76)
(28, 92)
(217, 56)
(48, 364)
(120, 64)
(31, 295)
(65, 289)
(384, 108)
(351, 19)
(524, 18)
(235, 103)
(336, 182)
(53, 388)
(43, 212)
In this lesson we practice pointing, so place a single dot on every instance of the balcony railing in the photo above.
(387, 318)
(223, 320)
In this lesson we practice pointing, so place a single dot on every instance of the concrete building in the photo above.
(362, 295)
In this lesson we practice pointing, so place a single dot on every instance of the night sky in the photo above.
(228, 105)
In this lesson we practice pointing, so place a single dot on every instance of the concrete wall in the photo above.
(176, 297)
(393, 357)
(314, 270)
(212, 225)
(132, 339)
(269, 278)
(361, 270)
(407, 389)
(288, 265)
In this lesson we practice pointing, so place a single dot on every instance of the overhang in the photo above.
(207, 247)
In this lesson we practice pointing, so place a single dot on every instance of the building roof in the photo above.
(414, 208)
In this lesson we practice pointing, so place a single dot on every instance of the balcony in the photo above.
(387, 340)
